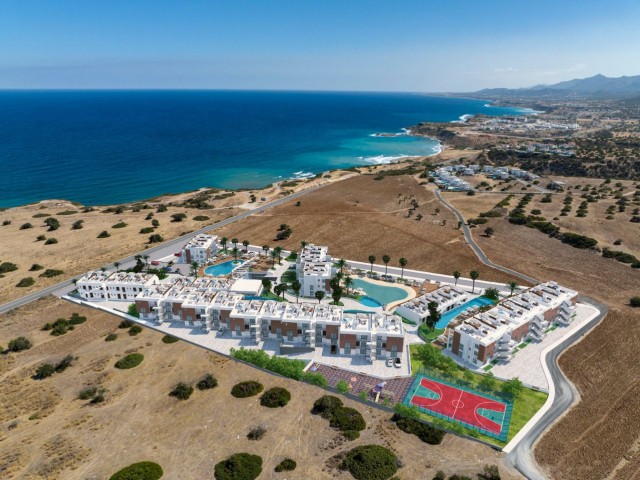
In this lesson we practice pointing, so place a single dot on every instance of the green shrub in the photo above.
(342, 386)
(241, 466)
(347, 418)
(99, 397)
(182, 391)
(126, 324)
(111, 337)
(578, 241)
(147, 230)
(634, 302)
(370, 462)
(77, 319)
(169, 339)
(104, 234)
(87, 393)
(67, 212)
(286, 465)
(351, 434)
(77, 225)
(65, 363)
(49, 273)
(315, 378)
(246, 389)
(41, 215)
(52, 223)
(45, 370)
(490, 472)
(201, 218)
(133, 311)
(26, 226)
(130, 361)
(178, 217)
(6, 267)
(119, 225)
(19, 344)
(40, 238)
(135, 330)
(424, 431)
(50, 241)
(139, 471)
(275, 397)
(156, 238)
(26, 282)
(256, 433)
(207, 382)
(35, 267)
(326, 405)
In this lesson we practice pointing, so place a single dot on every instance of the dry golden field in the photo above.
(46, 432)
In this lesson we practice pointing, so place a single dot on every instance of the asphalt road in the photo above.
(521, 457)
(166, 248)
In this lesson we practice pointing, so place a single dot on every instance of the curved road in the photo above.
(169, 246)
(521, 457)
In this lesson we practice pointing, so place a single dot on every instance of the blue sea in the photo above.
(103, 147)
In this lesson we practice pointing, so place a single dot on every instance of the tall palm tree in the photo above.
(265, 249)
(474, 276)
(319, 296)
(223, 242)
(513, 286)
(341, 264)
(194, 269)
(386, 259)
(403, 263)
(274, 255)
(235, 242)
(348, 283)
(278, 251)
(235, 252)
(372, 259)
(296, 286)
(116, 265)
(456, 275)
(303, 244)
(146, 259)
(245, 243)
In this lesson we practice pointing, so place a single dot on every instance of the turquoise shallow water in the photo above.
(453, 313)
(380, 293)
(222, 268)
(101, 147)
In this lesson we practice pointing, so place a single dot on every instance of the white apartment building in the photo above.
(119, 286)
(447, 298)
(200, 249)
(314, 268)
(495, 334)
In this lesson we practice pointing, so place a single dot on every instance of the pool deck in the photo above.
(390, 306)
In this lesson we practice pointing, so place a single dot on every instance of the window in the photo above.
(347, 348)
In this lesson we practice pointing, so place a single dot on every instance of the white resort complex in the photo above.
(446, 298)
(315, 269)
(200, 249)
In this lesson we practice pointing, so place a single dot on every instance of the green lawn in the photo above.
(427, 334)
(525, 406)
(273, 296)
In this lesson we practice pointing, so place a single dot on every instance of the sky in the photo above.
(372, 45)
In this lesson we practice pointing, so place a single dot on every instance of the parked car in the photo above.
(397, 362)
(178, 254)
(155, 262)
(389, 362)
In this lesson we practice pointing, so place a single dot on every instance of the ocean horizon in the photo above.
(99, 147)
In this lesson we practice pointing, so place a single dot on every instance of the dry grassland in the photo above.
(46, 432)
(361, 216)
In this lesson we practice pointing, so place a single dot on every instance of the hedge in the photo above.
(241, 466)
(139, 471)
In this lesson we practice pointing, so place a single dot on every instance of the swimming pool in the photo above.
(223, 268)
(381, 294)
(369, 302)
(453, 313)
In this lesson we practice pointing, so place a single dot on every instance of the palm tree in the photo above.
(235, 252)
(146, 259)
(223, 242)
(296, 286)
(116, 265)
(266, 285)
(274, 254)
(348, 283)
(341, 264)
(194, 269)
(372, 259)
(303, 244)
(279, 289)
(403, 263)
(386, 259)
(234, 241)
(278, 251)
(513, 286)
(245, 243)
(319, 296)
(265, 249)
(456, 275)
(474, 276)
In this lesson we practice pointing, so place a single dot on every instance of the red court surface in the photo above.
(461, 405)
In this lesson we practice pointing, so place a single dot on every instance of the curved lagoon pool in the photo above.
(380, 294)
(454, 312)
(223, 268)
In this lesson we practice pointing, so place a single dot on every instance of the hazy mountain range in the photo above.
(596, 87)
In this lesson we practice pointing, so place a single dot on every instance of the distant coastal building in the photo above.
(119, 286)
(446, 298)
(200, 249)
(314, 268)
(495, 333)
